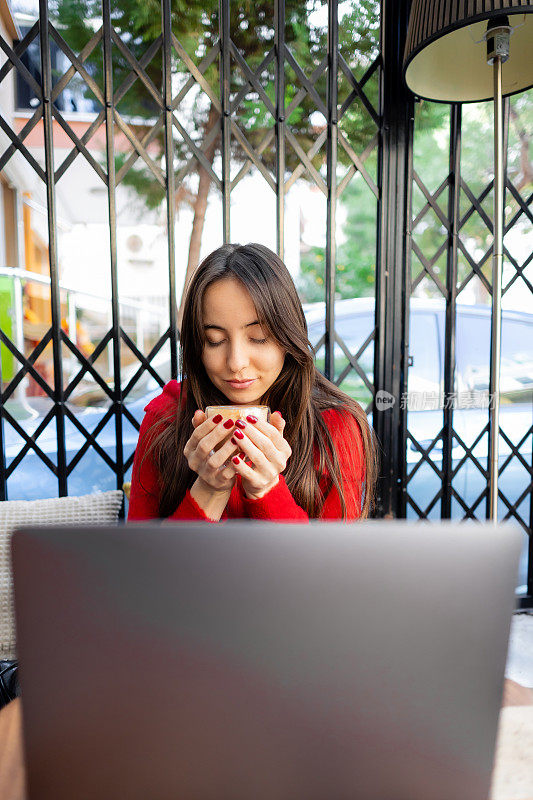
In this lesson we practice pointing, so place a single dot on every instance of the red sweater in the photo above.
(278, 504)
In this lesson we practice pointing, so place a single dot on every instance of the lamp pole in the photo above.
(498, 33)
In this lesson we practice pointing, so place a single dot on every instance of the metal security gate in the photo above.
(273, 85)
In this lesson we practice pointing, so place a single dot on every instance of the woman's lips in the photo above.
(241, 384)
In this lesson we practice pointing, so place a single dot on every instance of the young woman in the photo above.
(244, 342)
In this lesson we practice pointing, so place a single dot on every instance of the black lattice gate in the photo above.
(254, 106)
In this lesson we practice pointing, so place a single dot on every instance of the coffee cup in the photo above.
(234, 413)
(238, 412)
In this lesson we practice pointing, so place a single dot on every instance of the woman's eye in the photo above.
(216, 344)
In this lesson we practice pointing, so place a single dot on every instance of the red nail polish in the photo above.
(252, 419)
(240, 423)
(228, 424)
(233, 440)
(242, 455)
(235, 460)
(279, 415)
(217, 419)
(239, 435)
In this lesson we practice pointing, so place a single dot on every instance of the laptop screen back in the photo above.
(261, 660)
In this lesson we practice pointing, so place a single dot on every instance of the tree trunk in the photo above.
(200, 207)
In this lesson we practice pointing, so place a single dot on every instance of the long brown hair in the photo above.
(300, 391)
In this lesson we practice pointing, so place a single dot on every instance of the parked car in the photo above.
(354, 321)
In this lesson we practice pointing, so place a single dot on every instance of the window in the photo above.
(426, 357)
(473, 355)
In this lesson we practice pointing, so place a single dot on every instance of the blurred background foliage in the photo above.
(195, 25)
(356, 255)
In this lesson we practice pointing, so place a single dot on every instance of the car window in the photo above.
(353, 330)
(472, 352)
(425, 356)
(516, 371)
(473, 356)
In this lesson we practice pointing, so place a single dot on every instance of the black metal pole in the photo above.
(392, 301)
(166, 25)
(333, 48)
(401, 476)
(224, 36)
(530, 559)
(111, 197)
(279, 23)
(454, 190)
(55, 300)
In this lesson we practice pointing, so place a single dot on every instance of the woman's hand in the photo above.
(263, 444)
(209, 465)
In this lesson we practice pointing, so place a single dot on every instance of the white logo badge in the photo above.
(384, 400)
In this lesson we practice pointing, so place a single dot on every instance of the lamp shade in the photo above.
(445, 54)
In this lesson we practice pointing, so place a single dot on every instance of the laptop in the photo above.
(254, 660)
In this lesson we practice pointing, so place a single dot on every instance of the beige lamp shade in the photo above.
(445, 54)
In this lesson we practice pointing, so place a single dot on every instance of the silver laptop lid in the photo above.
(260, 660)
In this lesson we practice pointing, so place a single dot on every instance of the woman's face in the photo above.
(237, 348)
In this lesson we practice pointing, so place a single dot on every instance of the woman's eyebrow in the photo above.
(218, 328)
